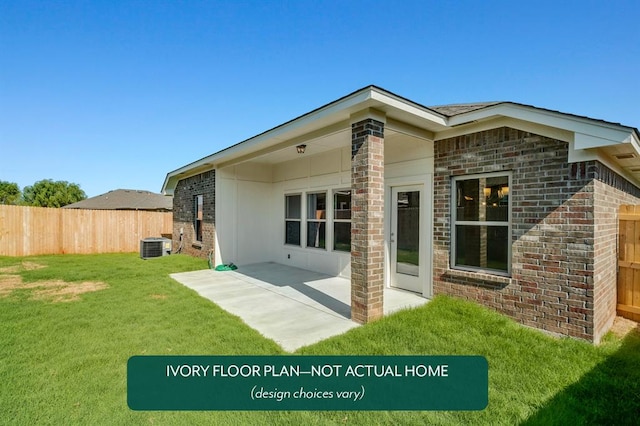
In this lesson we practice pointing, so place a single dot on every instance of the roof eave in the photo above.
(589, 133)
(336, 111)
(585, 133)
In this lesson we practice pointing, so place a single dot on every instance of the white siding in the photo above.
(250, 203)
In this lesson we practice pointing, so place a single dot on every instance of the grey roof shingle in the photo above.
(126, 199)
(456, 109)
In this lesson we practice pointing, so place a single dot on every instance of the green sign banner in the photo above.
(307, 382)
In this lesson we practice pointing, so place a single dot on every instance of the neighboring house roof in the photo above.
(589, 138)
(126, 199)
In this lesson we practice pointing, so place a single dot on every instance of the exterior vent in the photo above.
(625, 156)
(155, 247)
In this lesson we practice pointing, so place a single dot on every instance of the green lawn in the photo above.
(64, 362)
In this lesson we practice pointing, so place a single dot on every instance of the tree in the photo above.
(47, 193)
(9, 192)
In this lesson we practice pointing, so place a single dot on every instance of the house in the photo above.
(507, 204)
(126, 199)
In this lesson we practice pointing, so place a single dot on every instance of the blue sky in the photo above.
(111, 94)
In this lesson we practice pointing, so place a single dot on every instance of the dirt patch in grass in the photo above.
(53, 291)
(622, 326)
(30, 266)
(8, 283)
(62, 291)
(159, 296)
(24, 266)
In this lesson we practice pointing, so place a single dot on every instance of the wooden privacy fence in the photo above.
(26, 231)
(629, 262)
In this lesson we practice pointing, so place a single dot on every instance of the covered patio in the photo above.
(294, 307)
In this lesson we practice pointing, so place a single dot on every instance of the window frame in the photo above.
(293, 219)
(319, 221)
(198, 216)
(335, 220)
(455, 222)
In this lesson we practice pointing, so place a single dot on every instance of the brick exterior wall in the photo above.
(183, 213)
(610, 191)
(367, 220)
(564, 230)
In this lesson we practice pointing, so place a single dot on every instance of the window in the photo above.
(308, 222)
(342, 220)
(292, 214)
(198, 203)
(481, 231)
(316, 218)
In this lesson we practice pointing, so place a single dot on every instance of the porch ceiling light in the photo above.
(301, 148)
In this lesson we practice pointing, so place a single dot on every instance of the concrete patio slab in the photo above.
(292, 306)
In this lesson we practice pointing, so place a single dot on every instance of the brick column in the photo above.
(367, 220)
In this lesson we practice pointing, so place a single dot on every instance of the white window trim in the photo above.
(307, 220)
(454, 222)
(197, 209)
(299, 220)
(334, 220)
(329, 220)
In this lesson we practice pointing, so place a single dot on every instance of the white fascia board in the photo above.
(634, 141)
(598, 133)
(307, 123)
(408, 107)
(598, 152)
(408, 129)
(526, 126)
(578, 155)
(165, 187)
(172, 178)
(586, 141)
(370, 97)
(276, 135)
(363, 114)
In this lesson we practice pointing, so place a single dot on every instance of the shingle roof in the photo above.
(436, 120)
(126, 199)
(456, 109)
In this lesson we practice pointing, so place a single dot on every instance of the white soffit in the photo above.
(406, 116)
(501, 121)
(589, 133)
(311, 125)
(398, 108)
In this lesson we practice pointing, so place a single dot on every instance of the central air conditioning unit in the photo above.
(155, 247)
